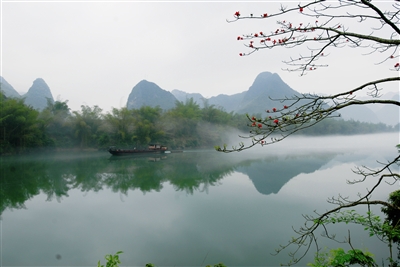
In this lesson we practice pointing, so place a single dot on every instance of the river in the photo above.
(181, 209)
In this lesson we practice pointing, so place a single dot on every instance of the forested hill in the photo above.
(186, 126)
(253, 100)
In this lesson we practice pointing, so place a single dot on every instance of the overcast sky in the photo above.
(94, 53)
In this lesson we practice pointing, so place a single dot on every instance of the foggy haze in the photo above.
(94, 53)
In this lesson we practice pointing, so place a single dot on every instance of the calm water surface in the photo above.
(185, 209)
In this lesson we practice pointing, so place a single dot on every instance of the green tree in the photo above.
(340, 258)
(86, 124)
(120, 126)
(392, 222)
(54, 120)
(180, 124)
(189, 110)
(19, 127)
(147, 125)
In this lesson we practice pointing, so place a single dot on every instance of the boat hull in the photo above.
(153, 149)
(125, 152)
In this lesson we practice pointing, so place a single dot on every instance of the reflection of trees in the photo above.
(134, 173)
(22, 180)
(53, 175)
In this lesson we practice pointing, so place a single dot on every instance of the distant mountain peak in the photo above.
(146, 93)
(38, 94)
(271, 82)
(7, 89)
(266, 86)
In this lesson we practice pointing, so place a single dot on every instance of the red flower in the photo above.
(285, 107)
(391, 56)
(265, 15)
(261, 33)
(276, 121)
(253, 124)
(237, 14)
(240, 54)
(256, 35)
(301, 9)
(253, 118)
(259, 125)
(397, 65)
(239, 37)
(267, 110)
(262, 142)
(274, 109)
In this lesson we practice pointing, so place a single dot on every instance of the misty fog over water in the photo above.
(185, 209)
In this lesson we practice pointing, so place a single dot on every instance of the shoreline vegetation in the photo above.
(187, 126)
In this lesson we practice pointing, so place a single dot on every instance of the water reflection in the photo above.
(186, 209)
(54, 175)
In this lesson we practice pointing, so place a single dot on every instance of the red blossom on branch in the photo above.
(260, 125)
(276, 121)
(237, 14)
(274, 109)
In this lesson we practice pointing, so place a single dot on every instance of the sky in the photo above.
(95, 52)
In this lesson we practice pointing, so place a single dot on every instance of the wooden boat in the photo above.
(153, 148)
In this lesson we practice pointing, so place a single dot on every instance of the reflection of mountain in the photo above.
(269, 175)
(55, 175)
